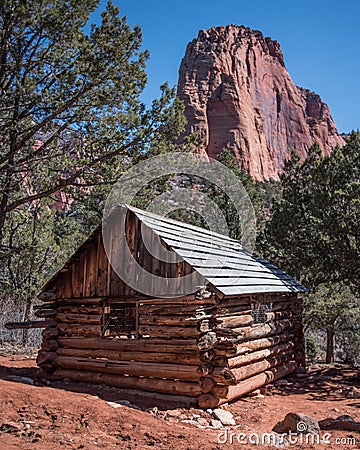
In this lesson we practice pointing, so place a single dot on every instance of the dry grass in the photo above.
(16, 341)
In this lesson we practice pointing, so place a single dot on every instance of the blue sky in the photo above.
(320, 41)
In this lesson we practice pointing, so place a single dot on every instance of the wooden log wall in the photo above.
(248, 355)
(164, 359)
(202, 349)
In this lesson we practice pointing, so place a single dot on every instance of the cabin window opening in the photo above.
(120, 321)
(259, 312)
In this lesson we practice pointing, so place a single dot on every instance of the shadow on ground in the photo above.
(322, 382)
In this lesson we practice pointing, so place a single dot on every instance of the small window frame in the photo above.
(120, 320)
(259, 312)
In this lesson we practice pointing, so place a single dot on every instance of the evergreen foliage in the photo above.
(314, 235)
(71, 121)
(334, 310)
(70, 111)
(314, 232)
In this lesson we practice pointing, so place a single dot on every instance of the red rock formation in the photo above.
(238, 94)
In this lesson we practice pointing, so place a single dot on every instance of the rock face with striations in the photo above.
(238, 94)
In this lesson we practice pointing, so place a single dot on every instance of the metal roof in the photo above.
(221, 260)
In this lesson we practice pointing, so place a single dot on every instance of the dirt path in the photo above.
(77, 415)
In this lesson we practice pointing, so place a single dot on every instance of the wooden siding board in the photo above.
(91, 271)
(117, 245)
(102, 287)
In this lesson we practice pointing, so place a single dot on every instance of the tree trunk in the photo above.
(27, 315)
(5, 189)
(329, 346)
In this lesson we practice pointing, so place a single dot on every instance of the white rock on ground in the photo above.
(203, 423)
(216, 424)
(225, 417)
(121, 403)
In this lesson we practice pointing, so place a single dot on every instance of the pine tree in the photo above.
(314, 234)
(70, 111)
(314, 230)
(332, 309)
(71, 121)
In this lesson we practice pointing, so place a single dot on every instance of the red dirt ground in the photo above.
(77, 416)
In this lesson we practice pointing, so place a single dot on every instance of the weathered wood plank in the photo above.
(244, 372)
(79, 309)
(262, 330)
(92, 277)
(127, 260)
(59, 288)
(77, 276)
(70, 329)
(259, 344)
(211, 400)
(140, 356)
(239, 300)
(103, 266)
(176, 388)
(79, 318)
(45, 313)
(225, 310)
(258, 355)
(189, 309)
(152, 319)
(186, 300)
(83, 271)
(150, 261)
(131, 345)
(30, 324)
(117, 244)
(232, 345)
(242, 320)
(81, 301)
(259, 380)
(167, 331)
(131, 368)
(235, 321)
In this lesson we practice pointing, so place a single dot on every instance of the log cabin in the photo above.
(233, 328)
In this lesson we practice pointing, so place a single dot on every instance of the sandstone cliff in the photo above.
(238, 94)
